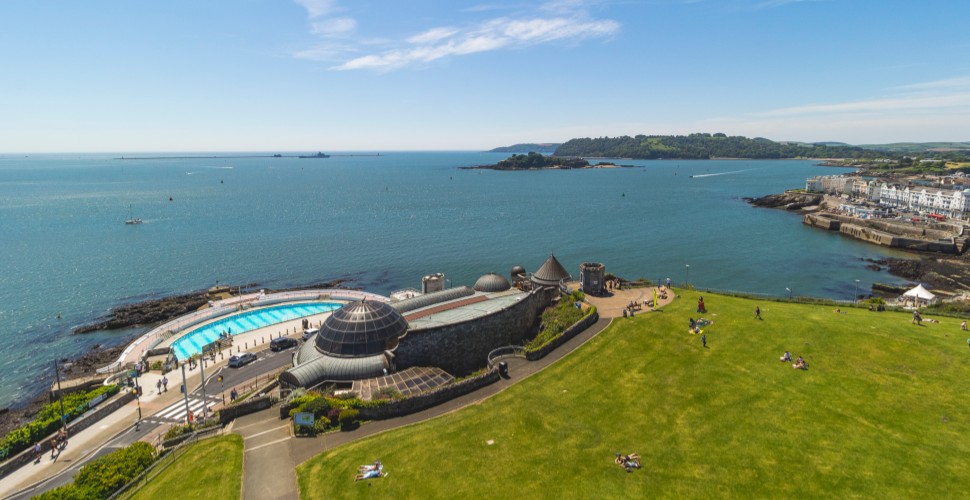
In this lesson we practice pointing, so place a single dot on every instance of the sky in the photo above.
(342, 75)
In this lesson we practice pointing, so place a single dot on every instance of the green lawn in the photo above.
(209, 469)
(882, 411)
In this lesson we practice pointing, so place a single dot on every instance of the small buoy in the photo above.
(221, 181)
(169, 198)
(624, 194)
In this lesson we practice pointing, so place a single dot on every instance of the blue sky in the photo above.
(281, 75)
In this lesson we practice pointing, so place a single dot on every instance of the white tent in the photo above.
(919, 294)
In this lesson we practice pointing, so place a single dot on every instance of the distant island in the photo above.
(538, 147)
(536, 161)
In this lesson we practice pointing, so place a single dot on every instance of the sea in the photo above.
(381, 222)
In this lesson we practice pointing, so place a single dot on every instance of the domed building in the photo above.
(550, 273)
(492, 282)
(355, 342)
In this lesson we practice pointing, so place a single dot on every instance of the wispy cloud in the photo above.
(564, 21)
(490, 35)
(940, 109)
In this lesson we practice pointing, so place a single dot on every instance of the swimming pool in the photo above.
(192, 342)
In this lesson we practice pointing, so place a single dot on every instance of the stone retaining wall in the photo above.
(253, 405)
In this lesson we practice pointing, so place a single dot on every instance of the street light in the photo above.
(686, 275)
(789, 292)
(856, 296)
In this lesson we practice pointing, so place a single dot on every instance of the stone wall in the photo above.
(429, 399)
(821, 221)
(253, 405)
(886, 233)
(462, 348)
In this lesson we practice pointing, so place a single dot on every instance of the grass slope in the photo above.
(209, 469)
(881, 411)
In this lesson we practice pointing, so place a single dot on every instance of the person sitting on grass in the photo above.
(369, 475)
(370, 467)
(800, 364)
(785, 357)
(628, 462)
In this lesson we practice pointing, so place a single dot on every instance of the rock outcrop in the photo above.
(788, 200)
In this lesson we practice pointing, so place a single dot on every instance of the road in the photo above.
(266, 362)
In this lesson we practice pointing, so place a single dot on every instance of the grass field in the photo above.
(882, 411)
(210, 469)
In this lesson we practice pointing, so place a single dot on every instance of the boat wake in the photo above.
(721, 173)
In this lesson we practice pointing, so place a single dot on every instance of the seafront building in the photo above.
(953, 203)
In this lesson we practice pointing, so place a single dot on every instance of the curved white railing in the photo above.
(222, 307)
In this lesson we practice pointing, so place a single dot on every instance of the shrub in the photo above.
(109, 473)
(348, 417)
(318, 407)
(321, 424)
(388, 393)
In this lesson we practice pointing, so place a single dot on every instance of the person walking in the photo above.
(37, 452)
(757, 312)
(704, 340)
(164, 383)
(963, 326)
(158, 386)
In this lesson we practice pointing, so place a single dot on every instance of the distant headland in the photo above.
(538, 147)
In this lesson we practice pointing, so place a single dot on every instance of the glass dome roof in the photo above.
(361, 328)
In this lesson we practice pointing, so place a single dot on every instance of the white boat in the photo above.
(130, 219)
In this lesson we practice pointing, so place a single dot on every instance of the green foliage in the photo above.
(321, 424)
(556, 320)
(348, 417)
(956, 307)
(48, 420)
(109, 473)
(69, 491)
(704, 146)
(157, 366)
(179, 430)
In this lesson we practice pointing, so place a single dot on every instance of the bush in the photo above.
(556, 320)
(157, 366)
(321, 424)
(388, 393)
(318, 407)
(348, 417)
(110, 472)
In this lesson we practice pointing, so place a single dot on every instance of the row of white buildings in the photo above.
(949, 202)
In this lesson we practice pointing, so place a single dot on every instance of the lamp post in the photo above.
(686, 275)
(856, 296)
(60, 395)
(185, 395)
(789, 292)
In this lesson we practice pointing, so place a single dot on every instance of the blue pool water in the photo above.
(192, 342)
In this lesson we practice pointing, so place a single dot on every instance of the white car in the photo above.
(309, 332)
(241, 359)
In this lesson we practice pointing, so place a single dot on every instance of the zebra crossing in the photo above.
(175, 412)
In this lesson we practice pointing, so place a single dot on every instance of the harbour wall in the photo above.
(889, 233)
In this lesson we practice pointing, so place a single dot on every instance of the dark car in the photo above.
(241, 359)
(282, 343)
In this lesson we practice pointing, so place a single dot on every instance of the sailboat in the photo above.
(130, 219)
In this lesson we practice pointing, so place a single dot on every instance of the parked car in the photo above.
(241, 359)
(309, 332)
(281, 343)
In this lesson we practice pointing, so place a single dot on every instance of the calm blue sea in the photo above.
(383, 222)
